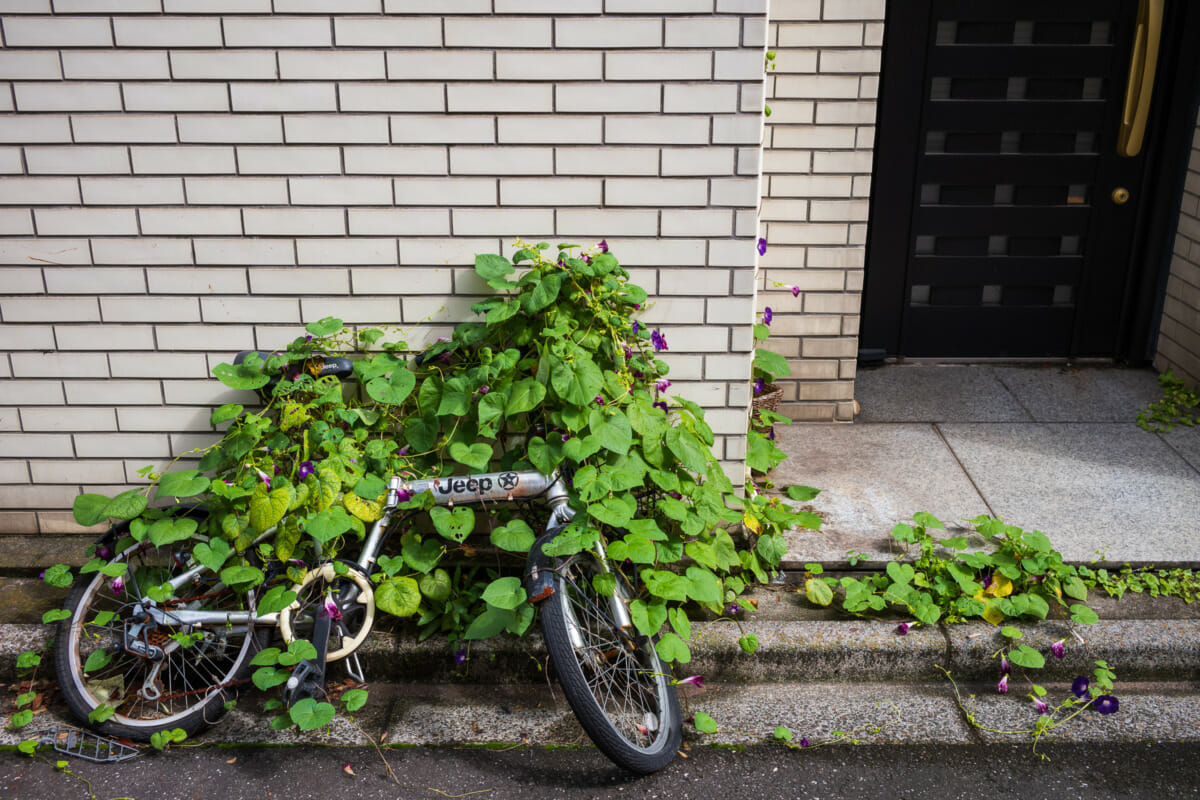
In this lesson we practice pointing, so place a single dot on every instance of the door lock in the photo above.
(1120, 195)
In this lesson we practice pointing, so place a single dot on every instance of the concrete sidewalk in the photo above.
(1051, 448)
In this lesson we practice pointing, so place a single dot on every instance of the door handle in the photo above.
(1142, 66)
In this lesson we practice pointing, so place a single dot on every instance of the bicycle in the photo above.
(179, 662)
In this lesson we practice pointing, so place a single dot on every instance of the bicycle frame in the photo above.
(478, 489)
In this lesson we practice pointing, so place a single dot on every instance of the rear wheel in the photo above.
(153, 677)
(618, 687)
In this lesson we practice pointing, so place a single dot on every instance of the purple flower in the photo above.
(803, 740)
(599, 400)
(403, 451)
(104, 551)
(262, 476)
(118, 586)
(733, 609)
(762, 246)
(305, 470)
(460, 656)
(1041, 707)
(662, 405)
(659, 341)
(1058, 649)
(1107, 704)
(987, 580)
(484, 389)
(628, 351)
(603, 245)
(1002, 686)
(566, 436)
(759, 385)
(902, 628)
(331, 610)
(663, 385)
(403, 495)
(795, 291)
(767, 315)
(1005, 668)
(676, 495)
(771, 433)
(1079, 686)
(636, 326)
(692, 680)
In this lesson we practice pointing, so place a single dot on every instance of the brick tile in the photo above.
(59, 365)
(39, 191)
(517, 65)
(426, 65)
(550, 192)
(502, 97)
(737, 65)
(294, 221)
(746, 129)
(341, 191)
(606, 160)
(122, 445)
(445, 7)
(113, 65)
(224, 64)
(347, 251)
(660, 130)
(183, 160)
(671, 65)
(57, 32)
(255, 310)
(441, 128)
(32, 65)
(422, 31)
(236, 191)
(392, 97)
(85, 221)
(68, 96)
(240, 128)
(501, 222)
(697, 222)
(105, 337)
(29, 393)
(604, 97)
(399, 222)
(206, 338)
(37, 251)
(288, 160)
(16, 222)
(34, 128)
(191, 221)
(94, 281)
(193, 280)
(536, 129)
(26, 337)
(820, 34)
(609, 33)
(697, 161)
(325, 6)
(240, 252)
(299, 281)
(168, 32)
(700, 98)
(149, 309)
(547, 7)
(703, 32)
(364, 310)
(445, 191)
(497, 31)
(164, 419)
(123, 129)
(25, 445)
(92, 472)
(606, 222)
(396, 160)
(277, 31)
(402, 282)
(142, 250)
(466, 160)
(176, 96)
(655, 192)
(334, 128)
(283, 96)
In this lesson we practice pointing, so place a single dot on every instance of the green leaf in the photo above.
(98, 659)
(1074, 588)
(690, 451)
(422, 556)
(54, 615)
(783, 734)
(212, 554)
(1026, 656)
(370, 486)
(126, 505)
(241, 376)
(818, 592)
(436, 585)
(268, 507)
(672, 649)
(59, 575)
(616, 511)
(20, 719)
(612, 430)
(578, 449)
(927, 520)
(577, 382)
(242, 576)
(544, 293)
(506, 593)
(801, 494)
(1010, 632)
(477, 456)
(1084, 615)
(276, 599)
(309, 715)
(704, 723)
(680, 622)
(328, 524)
(326, 326)
(543, 455)
(703, 585)
(399, 596)
(394, 389)
(525, 396)
(490, 266)
(516, 536)
(648, 618)
(89, 509)
(169, 531)
(186, 483)
(455, 525)
(489, 623)
(354, 699)
(748, 643)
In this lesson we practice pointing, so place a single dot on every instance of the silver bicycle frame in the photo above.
(498, 487)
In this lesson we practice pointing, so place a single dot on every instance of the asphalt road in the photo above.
(896, 772)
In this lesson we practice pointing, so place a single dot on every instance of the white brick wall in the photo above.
(816, 179)
(186, 178)
(1179, 333)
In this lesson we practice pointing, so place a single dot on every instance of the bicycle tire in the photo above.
(619, 689)
(194, 682)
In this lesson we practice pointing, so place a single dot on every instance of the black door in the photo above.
(1004, 217)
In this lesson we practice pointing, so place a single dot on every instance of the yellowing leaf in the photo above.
(751, 522)
(993, 614)
(1000, 586)
(366, 510)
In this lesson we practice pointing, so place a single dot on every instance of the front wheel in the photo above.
(151, 677)
(615, 682)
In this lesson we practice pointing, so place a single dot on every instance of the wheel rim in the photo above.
(626, 679)
(189, 677)
(354, 597)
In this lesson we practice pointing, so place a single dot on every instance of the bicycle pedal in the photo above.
(88, 746)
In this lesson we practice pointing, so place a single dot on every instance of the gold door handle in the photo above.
(1142, 66)
(1120, 195)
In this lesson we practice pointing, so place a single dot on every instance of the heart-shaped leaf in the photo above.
(477, 456)
(309, 715)
(366, 510)
(390, 564)
(328, 524)
(266, 677)
(126, 505)
(455, 525)
(525, 396)
(506, 593)
(400, 596)
(324, 327)
(422, 556)
(490, 266)
(241, 376)
(673, 649)
(225, 413)
(168, 530)
(89, 509)
(242, 576)
(212, 554)
(648, 618)
(276, 599)
(268, 507)
(578, 449)
(489, 623)
(436, 585)
(394, 388)
(516, 536)
(612, 430)
(187, 483)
